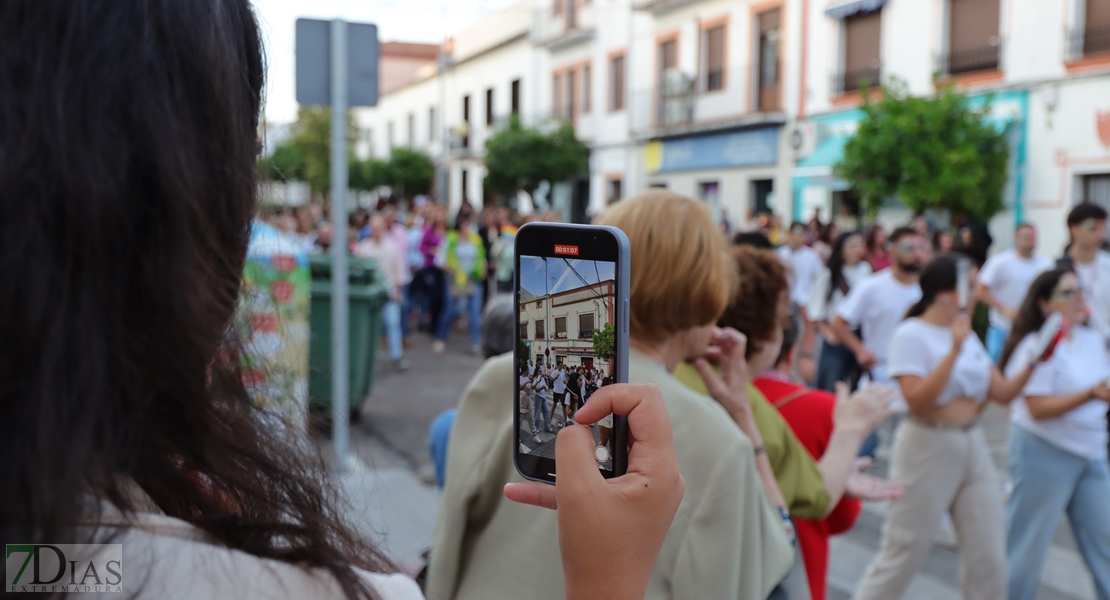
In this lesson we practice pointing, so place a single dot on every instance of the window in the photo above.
(411, 130)
(540, 329)
(1094, 37)
(389, 134)
(466, 121)
(560, 359)
(586, 326)
(973, 43)
(713, 52)
(465, 184)
(557, 7)
(587, 362)
(539, 303)
(489, 106)
(586, 89)
(524, 330)
(616, 83)
(431, 124)
(1096, 189)
(613, 191)
(561, 328)
(769, 75)
(570, 101)
(557, 94)
(515, 97)
(861, 52)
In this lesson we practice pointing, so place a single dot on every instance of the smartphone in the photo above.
(1049, 336)
(571, 289)
(963, 270)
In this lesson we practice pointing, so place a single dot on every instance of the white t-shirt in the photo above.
(526, 382)
(1008, 276)
(820, 307)
(917, 347)
(539, 384)
(1077, 364)
(805, 265)
(560, 383)
(878, 304)
(1095, 279)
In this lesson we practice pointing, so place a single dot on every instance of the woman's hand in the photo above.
(730, 387)
(611, 530)
(1101, 392)
(960, 330)
(865, 487)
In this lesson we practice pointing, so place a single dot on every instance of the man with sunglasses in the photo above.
(878, 303)
(1087, 227)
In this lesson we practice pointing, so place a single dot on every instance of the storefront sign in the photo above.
(750, 148)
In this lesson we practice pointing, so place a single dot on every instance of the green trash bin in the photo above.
(367, 294)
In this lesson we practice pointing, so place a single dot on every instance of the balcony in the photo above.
(985, 58)
(575, 25)
(660, 7)
(682, 104)
(1083, 43)
(852, 81)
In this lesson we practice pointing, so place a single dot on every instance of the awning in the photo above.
(842, 9)
(828, 153)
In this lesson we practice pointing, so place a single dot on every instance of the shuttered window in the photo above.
(715, 58)
(973, 42)
(1096, 27)
(862, 48)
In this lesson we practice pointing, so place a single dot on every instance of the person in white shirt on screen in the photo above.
(1005, 279)
(559, 395)
(1057, 452)
(846, 269)
(1087, 227)
(941, 456)
(879, 303)
(805, 267)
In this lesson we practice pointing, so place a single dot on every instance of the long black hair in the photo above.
(837, 280)
(937, 276)
(128, 141)
(1029, 317)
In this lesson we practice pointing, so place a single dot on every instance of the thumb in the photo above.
(842, 393)
(575, 465)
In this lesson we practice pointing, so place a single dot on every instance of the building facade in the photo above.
(559, 328)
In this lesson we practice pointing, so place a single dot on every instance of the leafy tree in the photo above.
(409, 172)
(520, 158)
(605, 341)
(285, 164)
(936, 152)
(305, 155)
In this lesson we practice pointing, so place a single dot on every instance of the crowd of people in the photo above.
(571, 386)
(128, 422)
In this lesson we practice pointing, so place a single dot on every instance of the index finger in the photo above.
(648, 421)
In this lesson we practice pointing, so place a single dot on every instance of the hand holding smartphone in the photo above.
(572, 300)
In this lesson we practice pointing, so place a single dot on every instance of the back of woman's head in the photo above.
(681, 274)
(760, 303)
(937, 276)
(128, 136)
(1030, 318)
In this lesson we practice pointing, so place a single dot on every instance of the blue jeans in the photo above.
(406, 308)
(539, 407)
(439, 436)
(471, 304)
(1049, 481)
(996, 339)
(391, 322)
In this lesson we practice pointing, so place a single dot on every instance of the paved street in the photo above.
(397, 505)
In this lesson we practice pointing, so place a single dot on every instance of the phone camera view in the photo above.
(566, 353)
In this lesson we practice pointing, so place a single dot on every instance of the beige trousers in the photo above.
(943, 471)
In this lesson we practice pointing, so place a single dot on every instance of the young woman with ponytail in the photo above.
(941, 456)
(1057, 456)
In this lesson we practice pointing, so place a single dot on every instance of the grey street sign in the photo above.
(314, 63)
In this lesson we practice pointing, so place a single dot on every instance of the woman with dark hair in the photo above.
(877, 255)
(943, 242)
(128, 129)
(826, 240)
(1058, 437)
(941, 456)
(846, 268)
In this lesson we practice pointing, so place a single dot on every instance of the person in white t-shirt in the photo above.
(879, 303)
(1004, 281)
(941, 456)
(1087, 227)
(805, 266)
(846, 269)
(539, 398)
(559, 395)
(1057, 453)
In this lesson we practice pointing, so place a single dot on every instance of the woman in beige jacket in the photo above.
(728, 540)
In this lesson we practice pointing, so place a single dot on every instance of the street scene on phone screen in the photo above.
(565, 350)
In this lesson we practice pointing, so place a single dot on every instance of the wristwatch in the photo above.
(788, 525)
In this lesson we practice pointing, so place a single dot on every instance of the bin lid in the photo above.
(363, 271)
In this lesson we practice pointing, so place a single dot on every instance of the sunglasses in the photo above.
(1067, 294)
(904, 247)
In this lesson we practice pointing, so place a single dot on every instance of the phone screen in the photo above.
(570, 345)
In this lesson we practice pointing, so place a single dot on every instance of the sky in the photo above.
(428, 21)
(560, 276)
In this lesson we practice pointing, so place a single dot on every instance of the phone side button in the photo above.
(624, 316)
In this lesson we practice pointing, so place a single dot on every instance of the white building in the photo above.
(1046, 63)
(559, 328)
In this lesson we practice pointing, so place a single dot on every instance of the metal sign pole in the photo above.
(339, 343)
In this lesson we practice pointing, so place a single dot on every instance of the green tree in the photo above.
(605, 341)
(305, 155)
(929, 152)
(520, 158)
(409, 172)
